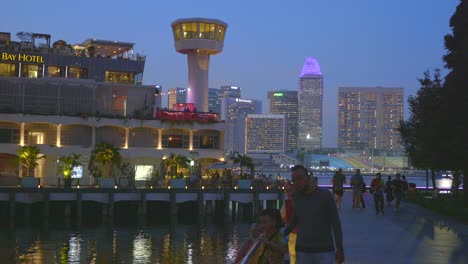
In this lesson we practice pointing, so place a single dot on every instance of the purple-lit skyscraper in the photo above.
(310, 97)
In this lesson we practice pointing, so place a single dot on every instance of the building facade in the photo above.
(46, 102)
(214, 100)
(310, 101)
(368, 117)
(176, 95)
(233, 112)
(265, 133)
(286, 103)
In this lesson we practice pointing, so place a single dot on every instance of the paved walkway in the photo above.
(412, 235)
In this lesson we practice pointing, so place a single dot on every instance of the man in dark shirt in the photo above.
(319, 235)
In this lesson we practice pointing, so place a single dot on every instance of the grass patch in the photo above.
(445, 204)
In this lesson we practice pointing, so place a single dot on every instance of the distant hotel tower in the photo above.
(310, 105)
(199, 38)
(368, 117)
(286, 103)
(265, 134)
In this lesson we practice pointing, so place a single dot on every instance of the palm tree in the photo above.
(106, 153)
(28, 157)
(67, 163)
(243, 160)
(177, 161)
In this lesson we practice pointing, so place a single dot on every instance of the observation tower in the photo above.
(199, 38)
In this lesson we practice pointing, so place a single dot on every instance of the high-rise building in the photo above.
(230, 91)
(234, 111)
(199, 38)
(265, 133)
(310, 98)
(286, 103)
(214, 101)
(368, 117)
(176, 95)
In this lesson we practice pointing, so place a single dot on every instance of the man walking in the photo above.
(397, 186)
(356, 183)
(377, 189)
(337, 181)
(319, 235)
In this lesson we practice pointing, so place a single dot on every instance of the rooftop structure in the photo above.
(199, 38)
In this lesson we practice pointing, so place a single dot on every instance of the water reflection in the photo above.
(184, 244)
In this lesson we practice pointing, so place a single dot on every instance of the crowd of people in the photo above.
(391, 190)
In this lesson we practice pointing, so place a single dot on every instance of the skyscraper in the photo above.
(230, 91)
(176, 95)
(368, 117)
(286, 103)
(234, 111)
(265, 133)
(310, 97)
(214, 101)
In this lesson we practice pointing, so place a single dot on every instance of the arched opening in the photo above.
(112, 135)
(206, 139)
(76, 135)
(40, 134)
(175, 138)
(143, 137)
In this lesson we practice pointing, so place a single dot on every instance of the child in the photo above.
(272, 247)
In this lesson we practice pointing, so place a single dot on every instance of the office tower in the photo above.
(265, 133)
(368, 117)
(176, 95)
(234, 111)
(214, 101)
(286, 103)
(199, 38)
(230, 91)
(310, 97)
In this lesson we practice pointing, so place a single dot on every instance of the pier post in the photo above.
(227, 201)
(255, 205)
(234, 209)
(67, 215)
(201, 206)
(45, 209)
(12, 203)
(79, 208)
(110, 212)
(281, 199)
(240, 211)
(173, 207)
(27, 214)
(209, 207)
(142, 209)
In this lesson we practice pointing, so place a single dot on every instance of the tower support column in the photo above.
(198, 66)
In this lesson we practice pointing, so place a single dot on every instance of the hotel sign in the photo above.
(278, 94)
(21, 57)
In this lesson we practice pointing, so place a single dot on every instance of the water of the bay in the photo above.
(179, 244)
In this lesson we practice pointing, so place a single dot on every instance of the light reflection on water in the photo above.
(181, 244)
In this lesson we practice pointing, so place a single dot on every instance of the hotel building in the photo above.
(65, 99)
(265, 133)
(368, 117)
(310, 97)
(286, 103)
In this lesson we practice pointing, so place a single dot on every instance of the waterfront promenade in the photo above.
(412, 235)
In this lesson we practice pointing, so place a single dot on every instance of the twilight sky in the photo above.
(357, 43)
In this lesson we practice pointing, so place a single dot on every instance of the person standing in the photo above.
(405, 188)
(319, 235)
(377, 189)
(356, 185)
(338, 181)
(389, 191)
(397, 186)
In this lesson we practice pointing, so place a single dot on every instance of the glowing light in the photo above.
(203, 187)
(251, 188)
(169, 187)
(186, 187)
(151, 187)
(268, 187)
(39, 186)
(115, 186)
(311, 68)
(235, 187)
(77, 186)
(278, 94)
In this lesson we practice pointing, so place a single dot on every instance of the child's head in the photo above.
(270, 219)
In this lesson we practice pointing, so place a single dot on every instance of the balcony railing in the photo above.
(181, 116)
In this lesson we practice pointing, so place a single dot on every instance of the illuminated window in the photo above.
(207, 31)
(31, 71)
(189, 30)
(77, 73)
(143, 172)
(120, 77)
(176, 31)
(7, 69)
(55, 71)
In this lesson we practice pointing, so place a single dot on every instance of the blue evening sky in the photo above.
(357, 43)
